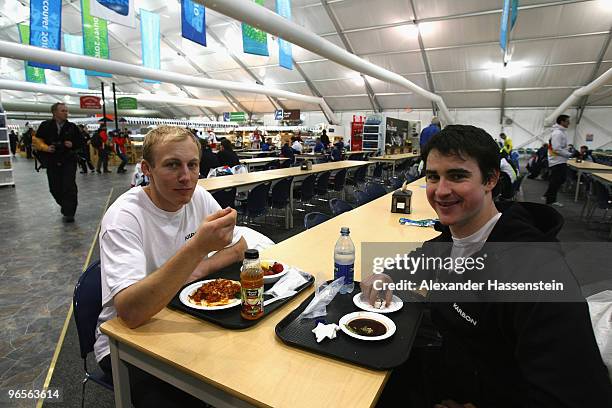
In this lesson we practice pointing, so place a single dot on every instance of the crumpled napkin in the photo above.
(325, 330)
(287, 284)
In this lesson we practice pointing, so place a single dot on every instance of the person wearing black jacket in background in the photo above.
(58, 142)
(226, 155)
(85, 158)
(325, 139)
(499, 352)
(208, 160)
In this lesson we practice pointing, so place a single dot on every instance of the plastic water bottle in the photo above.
(344, 260)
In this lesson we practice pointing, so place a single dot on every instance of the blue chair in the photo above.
(339, 182)
(339, 206)
(306, 191)
(226, 197)
(256, 203)
(322, 184)
(314, 218)
(87, 305)
(279, 198)
(361, 198)
(375, 190)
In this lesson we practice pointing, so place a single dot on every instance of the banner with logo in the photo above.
(118, 11)
(95, 37)
(234, 116)
(90, 102)
(32, 74)
(510, 10)
(193, 21)
(74, 44)
(127, 102)
(285, 60)
(150, 40)
(45, 28)
(254, 40)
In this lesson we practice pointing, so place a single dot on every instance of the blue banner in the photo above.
(510, 10)
(149, 32)
(74, 44)
(254, 40)
(193, 22)
(45, 27)
(514, 13)
(285, 60)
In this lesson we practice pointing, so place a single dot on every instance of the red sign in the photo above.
(90, 102)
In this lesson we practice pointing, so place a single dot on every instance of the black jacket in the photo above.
(47, 131)
(207, 161)
(228, 158)
(530, 354)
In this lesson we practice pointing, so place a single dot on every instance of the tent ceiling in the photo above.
(557, 41)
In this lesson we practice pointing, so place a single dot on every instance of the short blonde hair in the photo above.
(165, 134)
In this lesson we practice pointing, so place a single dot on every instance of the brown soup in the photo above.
(367, 327)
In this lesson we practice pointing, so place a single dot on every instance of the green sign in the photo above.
(234, 116)
(33, 74)
(95, 36)
(127, 102)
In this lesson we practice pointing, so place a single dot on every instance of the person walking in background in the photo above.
(13, 142)
(26, 141)
(558, 154)
(84, 157)
(58, 143)
(429, 132)
(119, 140)
(325, 139)
(100, 142)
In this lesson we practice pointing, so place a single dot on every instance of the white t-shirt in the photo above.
(297, 146)
(465, 247)
(507, 168)
(137, 238)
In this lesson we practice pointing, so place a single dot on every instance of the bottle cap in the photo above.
(345, 230)
(251, 254)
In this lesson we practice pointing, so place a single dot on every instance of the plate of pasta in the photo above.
(212, 294)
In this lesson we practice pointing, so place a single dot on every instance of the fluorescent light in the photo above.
(426, 28)
(513, 68)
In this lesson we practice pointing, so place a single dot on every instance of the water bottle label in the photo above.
(348, 271)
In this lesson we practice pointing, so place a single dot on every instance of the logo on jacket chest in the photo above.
(464, 315)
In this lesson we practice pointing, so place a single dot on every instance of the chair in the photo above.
(87, 305)
(284, 164)
(361, 198)
(314, 218)
(274, 164)
(375, 190)
(226, 197)
(377, 173)
(306, 191)
(279, 198)
(602, 199)
(256, 203)
(339, 206)
(322, 184)
(339, 182)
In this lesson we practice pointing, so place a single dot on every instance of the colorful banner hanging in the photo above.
(150, 39)
(95, 37)
(45, 28)
(510, 10)
(254, 41)
(32, 74)
(74, 44)
(193, 21)
(285, 60)
(118, 11)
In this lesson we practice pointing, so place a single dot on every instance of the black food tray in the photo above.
(378, 355)
(230, 318)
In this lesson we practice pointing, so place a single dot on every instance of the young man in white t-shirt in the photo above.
(155, 239)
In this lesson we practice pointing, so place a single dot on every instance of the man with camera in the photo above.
(58, 142)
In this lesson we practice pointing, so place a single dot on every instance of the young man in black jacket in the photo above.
(498, 349)
(58, 142)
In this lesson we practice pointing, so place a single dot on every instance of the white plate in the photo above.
(274, 278)
(184, 297)
(367, 315)
(396, 304)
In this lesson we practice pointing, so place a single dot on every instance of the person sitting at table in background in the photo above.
(287, 151)
(503, 353)
(585, 154)
(226, 154)
(265, 146)
(154, 240)
(208, 159)
(319, 146)
(296, 145)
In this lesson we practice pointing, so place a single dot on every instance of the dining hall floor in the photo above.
(41, 259)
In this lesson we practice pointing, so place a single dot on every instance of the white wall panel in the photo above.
(399, 63)
(357, 13)
(388, 39)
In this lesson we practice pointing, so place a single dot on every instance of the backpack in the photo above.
(96, 140)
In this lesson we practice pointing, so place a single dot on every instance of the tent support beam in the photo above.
(310, 84)
(430, 82)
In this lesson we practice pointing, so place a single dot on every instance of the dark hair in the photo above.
(56, 105)
(227, 145)
(562, 118)
(466, 141)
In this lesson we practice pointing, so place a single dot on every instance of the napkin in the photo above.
(287, 284)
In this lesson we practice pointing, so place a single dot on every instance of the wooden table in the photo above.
(586, 167)
(256, 153)
(260, 161)
(246, 181)
(605, 178)
(393, 159)
(252, 367)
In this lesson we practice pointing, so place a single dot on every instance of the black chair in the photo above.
(273, 165)
(339, 206)
(339, 182)
(306, 191)
(322, 184)
(87, 305)
(279, 198)
(377, 173)
(602, 199)
(256, 203)
(284, 164)
(226, 197)
(314, 218)
(375, 190)
(361, 198)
